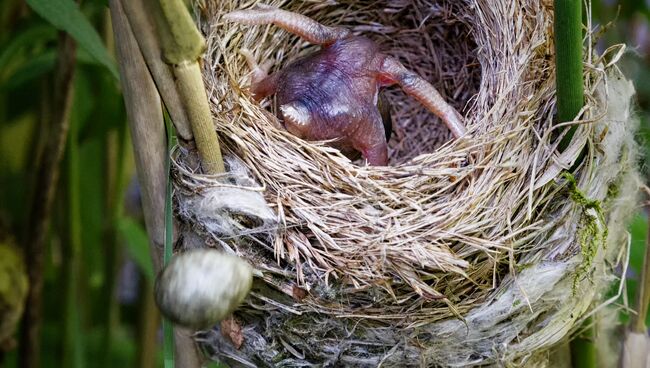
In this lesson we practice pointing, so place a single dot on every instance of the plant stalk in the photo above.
(114, 147)
(190, 86)
(144, 31)
(114, 144)
(145, 118)
(643, 292)
(168, 327)
(143, 107)
(148, 327)
(72, 346)
(182, 46)
(568, 59)
(583, 349)
(46, 184)
(635, 346)
(570, 99)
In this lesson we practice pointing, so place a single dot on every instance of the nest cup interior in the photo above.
(431, 38)
(434, 39)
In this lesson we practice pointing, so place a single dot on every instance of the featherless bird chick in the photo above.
(333, 94)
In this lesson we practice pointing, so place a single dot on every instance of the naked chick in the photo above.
(333, 93)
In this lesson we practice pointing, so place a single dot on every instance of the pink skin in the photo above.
(332, 93)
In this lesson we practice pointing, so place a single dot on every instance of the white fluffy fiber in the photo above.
(231, 206)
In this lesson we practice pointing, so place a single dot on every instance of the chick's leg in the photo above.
(392, 71)
(298, 24)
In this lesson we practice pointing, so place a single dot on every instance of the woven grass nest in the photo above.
(463, 252)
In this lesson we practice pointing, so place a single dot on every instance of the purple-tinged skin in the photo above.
(332, 94)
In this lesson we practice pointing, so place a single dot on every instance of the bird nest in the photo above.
(485, 249)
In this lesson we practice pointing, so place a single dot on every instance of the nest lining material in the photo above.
(467, 252)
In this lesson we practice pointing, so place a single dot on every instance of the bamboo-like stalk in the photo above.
(114, 167)
(583, 349)
(146, 126)
(46, 184)
(570, 99)
(184, 342)
(168, 252)
(114, 147)
(190, 85)
(182, 46)
(147, 327)
(180, 39)
(636, 344)
(568, 59)
(145, 33)
(560, 355)
(643, 292)
(72, 351)
(143, 108)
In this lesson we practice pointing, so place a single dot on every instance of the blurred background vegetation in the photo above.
(98, 308)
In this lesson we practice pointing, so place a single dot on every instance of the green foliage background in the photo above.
(96, 233)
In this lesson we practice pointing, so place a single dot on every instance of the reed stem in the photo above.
(144, 31)
(143, 107)
(168, 328)
(583, 349)
(570, 99)
(182, 46)
(72, 253)
(643, 292)
(46, 184)
(568, 54)
(192, 91)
